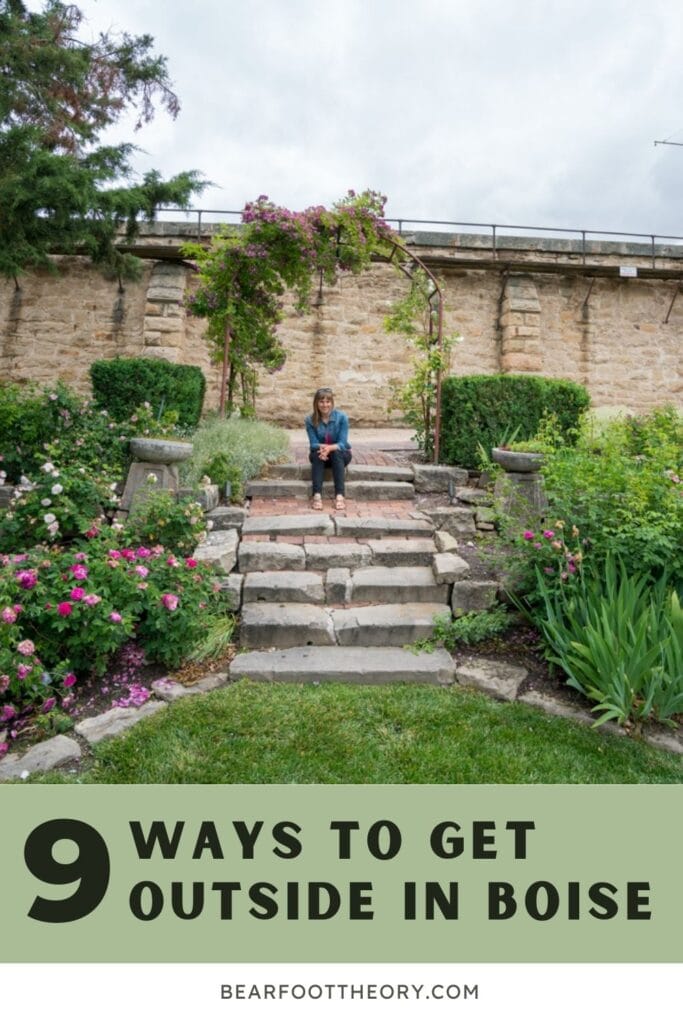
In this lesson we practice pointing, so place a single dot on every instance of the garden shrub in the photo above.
(23, 428)
(622, 490)
(248, 444)
(221, 470)
(480, 411)
(63, 612)
(57, 506)
(120, 385)
(618, 638)
(473, 628)
(58, 424)
(158, 517)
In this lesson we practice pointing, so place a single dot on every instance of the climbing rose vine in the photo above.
(245, 273)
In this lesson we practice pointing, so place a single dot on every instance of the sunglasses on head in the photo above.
(323, 391)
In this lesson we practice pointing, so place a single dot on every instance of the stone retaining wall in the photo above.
(610, 334)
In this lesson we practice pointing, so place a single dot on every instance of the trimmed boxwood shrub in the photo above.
(121, 385)
(485, 409)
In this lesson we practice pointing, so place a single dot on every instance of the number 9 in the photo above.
(91, 867)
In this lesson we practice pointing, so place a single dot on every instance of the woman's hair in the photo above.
(320, 393)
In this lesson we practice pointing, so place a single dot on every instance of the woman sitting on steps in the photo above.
(328, 436)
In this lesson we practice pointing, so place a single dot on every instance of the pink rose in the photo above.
(115, 617)
(528, 535)
(142, 570)
(8, 615)
(170, 601)
(69, 679)
(64, 609)
(26, 647)
(79, 572)
(191, 563)
(77, 594)
(548, 534)
(23, 670)
(8, 712)
(92, 599)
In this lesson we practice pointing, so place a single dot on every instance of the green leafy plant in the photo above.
(622, 488)
(251, 445)
(548, 437)
(413, 317)
(218, 637)
(619, 639)
(471, 629)
(162, 424)
(160, 518)
(221, 470)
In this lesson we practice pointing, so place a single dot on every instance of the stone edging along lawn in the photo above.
(498, 679)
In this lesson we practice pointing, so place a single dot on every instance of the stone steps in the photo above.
(321, 525)
(302, 471)
(366, 585)
(314, 583)
(357, 490)
(356, 665)
(270, 625)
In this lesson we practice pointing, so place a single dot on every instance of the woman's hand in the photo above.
(325, 450)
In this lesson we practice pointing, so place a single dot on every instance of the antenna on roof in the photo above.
(666, 142)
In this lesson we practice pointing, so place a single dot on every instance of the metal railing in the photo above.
(497, 232)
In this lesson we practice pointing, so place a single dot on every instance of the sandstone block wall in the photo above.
(610, 334)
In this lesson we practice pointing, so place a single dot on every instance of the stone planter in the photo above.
(517, 462)
(519, 491)
(159, 450)
(155, 467)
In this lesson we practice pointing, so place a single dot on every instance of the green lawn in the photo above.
(260, 733)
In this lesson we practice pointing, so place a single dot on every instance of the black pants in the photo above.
(337, 461)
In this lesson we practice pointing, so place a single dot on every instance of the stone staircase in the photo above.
(339, 597)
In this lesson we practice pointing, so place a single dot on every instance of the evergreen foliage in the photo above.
(121, 385)
(480, 411)
(60, 190)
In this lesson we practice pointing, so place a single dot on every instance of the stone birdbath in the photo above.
(520, 489)
(155, 467)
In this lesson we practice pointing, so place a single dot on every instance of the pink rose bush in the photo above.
(62, 619)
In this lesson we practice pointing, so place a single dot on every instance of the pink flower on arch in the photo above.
(170, 601)
(64, 609)
(8, 712)
(548, 534)
(69, 679)
(79, 572)
(8, 615)
(115, 617)
(26, 647)
(528, 535)
(191, 563)
(77, 594)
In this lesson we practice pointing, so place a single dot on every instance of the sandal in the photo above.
(339, 503)
(317, 503)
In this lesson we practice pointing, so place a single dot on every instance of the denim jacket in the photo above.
(334, 432)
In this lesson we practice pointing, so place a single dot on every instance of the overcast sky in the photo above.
(517, 112)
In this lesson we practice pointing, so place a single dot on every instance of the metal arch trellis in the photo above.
(435, 300)
(408, 268)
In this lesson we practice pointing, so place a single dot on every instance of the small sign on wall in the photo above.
(628, 271)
